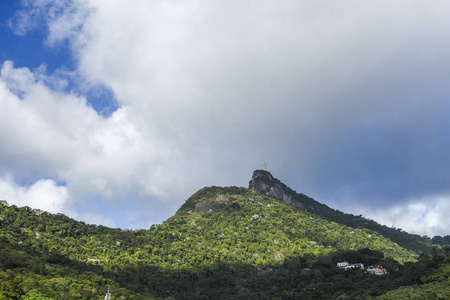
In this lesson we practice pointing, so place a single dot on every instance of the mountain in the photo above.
(264, 183)
(223, 243)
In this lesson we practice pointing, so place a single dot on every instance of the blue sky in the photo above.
(115, 114)
(29, 50)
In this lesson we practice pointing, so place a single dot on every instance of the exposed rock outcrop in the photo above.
(263, 182)
(213, 198)
(208, 205)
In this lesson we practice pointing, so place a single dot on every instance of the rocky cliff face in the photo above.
(264, 183)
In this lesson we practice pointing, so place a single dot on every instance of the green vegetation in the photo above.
(265, 183)
(223, 243)
(430, 278)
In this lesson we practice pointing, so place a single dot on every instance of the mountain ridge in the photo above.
(263, 182)
(223, 243)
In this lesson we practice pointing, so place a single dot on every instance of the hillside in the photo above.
(223, 243)
(264, 183)
(256, 219)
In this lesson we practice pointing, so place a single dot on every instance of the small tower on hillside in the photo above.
(108, 295)
(265, 166)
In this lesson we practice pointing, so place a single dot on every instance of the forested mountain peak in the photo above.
(212, 198)
(223, 243)
(263, 182)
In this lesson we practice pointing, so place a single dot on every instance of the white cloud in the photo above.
(52, 134)
(62, 19)
(44, 194)
(338, 98)
(423, 216)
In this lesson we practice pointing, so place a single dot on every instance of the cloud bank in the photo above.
(347, 102)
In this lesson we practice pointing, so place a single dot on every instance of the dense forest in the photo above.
(223, 243)
(263, 182)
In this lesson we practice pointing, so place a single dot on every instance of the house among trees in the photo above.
(378, 270)
(345, 265)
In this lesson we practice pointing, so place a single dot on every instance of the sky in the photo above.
(114, 112)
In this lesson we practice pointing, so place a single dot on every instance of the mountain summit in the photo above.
(263, 182)
(262, 242)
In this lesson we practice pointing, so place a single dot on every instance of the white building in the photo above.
(345, 265)
(378, 270)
